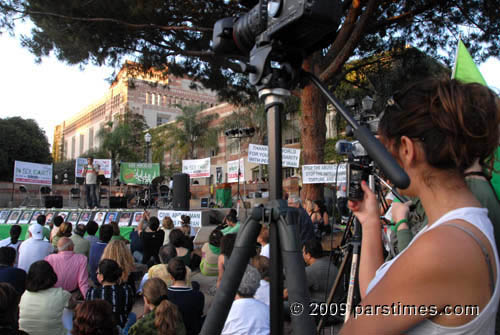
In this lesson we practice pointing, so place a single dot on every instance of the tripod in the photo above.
(274, 85)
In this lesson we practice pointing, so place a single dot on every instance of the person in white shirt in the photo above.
(263, 240)
(261, 263)
(34, 249)
(13, 240)
(90, 172)
(248, 315)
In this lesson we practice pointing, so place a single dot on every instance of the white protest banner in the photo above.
(104, 166)
(324, 173)
(318, 174)
(196, 168)
(32, 173)
(232, 171)
(176, 217)
(259, 154)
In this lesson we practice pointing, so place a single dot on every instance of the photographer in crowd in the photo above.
(435, 129)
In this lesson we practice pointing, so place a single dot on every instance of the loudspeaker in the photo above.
(53, 201)
(180, 201)
(204, 202)
(117, 202)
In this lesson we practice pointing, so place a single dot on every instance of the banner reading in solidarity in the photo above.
(139, 173)
(196, 168)
(323, 173)
(32, 173)
(104, 166)
(259, 154)
(232, 171)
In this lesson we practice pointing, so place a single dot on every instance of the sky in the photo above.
(53, 91)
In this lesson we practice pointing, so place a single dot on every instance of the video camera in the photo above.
(295, 28)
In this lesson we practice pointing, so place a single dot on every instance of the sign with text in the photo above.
(259, 154)
(196, 168)
(318, 174)
(232, 171)
(139, 173)
(104, 166)
(176, 217)
(32, 173)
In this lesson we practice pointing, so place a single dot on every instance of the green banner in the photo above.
(139, 173)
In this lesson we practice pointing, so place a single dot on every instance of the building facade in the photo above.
(154, 96)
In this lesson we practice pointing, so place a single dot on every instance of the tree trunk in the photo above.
(313, 128)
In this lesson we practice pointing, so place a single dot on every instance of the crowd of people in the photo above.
(63, 279)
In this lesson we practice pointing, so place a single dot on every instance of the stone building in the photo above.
(152, 95)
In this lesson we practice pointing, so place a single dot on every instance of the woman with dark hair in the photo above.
(161, 317)
(178, 240)
(94, 318)
(42, 305)
(9, 310)
(321, 214)
(120, 296)
(226, 248)
(435, 129)
(152, 238)
(210, 253)
(13, 240)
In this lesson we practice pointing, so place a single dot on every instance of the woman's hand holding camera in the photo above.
(367, 211)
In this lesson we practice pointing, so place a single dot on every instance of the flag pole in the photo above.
(456, 57)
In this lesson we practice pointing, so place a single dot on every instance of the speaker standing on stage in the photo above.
(90, 172)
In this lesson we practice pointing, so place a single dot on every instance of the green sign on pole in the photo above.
(139, 173)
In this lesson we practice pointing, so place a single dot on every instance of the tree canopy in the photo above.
(22, 140)
(178, 33)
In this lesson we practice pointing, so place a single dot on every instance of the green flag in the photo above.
(465, 69)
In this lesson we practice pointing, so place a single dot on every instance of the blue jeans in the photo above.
(91, 196)
(132, 318)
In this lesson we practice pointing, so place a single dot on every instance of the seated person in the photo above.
(97, 249)
(226, 248)
(152, 238)
(178, 240)
(10, 274)
(9, 310)
(261, 263)
(210, 253)
(13, 241)
(247, 315)
(160, 315)
(94, 318)
(42, 305)
(233, 225)
(320, 272)
(160, 270)
(120, 296)
(263, 240)
(189, 300)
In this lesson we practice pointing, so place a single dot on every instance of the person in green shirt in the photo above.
(232, 225)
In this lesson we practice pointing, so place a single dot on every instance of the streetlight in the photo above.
(239, 133)
(147, 138)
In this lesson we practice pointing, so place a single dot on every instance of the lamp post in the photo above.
(239, 133)
(147, 139)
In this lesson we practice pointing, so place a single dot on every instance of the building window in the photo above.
(73, 147)
(82, 144)
(65, 150)
(91, 138)
(148, 99)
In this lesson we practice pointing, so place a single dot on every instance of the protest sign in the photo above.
(232, 171)
(32, 173)
(259, 154)
(323, 173)
(139, 173)
(176, 217)
(196, 168)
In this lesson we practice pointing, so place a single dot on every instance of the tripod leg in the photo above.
(293, 262)
(334, 287)
(244, 247)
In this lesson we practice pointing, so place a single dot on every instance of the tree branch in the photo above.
(351, 44)
(402, 17)
(120, 22)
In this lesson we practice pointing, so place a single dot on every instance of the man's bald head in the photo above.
(65, 244)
